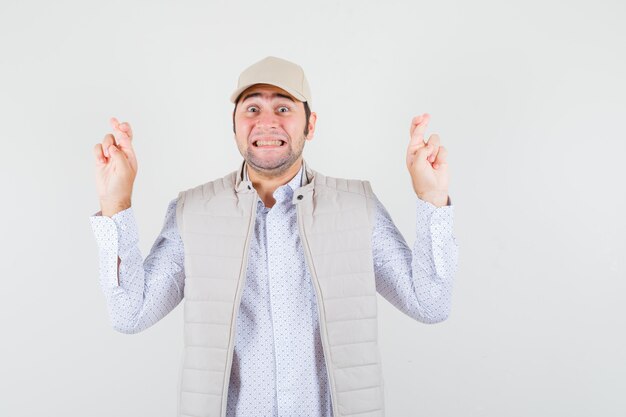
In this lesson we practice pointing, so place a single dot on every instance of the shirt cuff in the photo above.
(105, 232)
(433, 220)
(127, 231)
(116, 236)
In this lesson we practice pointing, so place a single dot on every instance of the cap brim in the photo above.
(237, 92)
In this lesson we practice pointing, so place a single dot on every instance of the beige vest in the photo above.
(335, 219)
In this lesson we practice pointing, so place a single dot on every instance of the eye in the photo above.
(253, 107)
(280, 109)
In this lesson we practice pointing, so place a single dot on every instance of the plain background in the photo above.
(529, 99)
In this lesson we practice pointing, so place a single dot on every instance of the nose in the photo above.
(267, 119)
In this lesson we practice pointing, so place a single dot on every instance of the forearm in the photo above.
(126, 296)
(419, 281)
(434, 261)
(138, 292)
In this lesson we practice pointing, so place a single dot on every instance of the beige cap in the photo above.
(275, 71)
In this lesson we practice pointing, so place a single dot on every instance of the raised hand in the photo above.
(426, 162)
(116, 168)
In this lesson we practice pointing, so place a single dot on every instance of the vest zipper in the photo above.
(238, 295)
(321, 316)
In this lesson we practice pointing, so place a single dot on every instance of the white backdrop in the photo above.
(529, 99)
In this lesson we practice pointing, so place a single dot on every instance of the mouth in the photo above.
(277, 143)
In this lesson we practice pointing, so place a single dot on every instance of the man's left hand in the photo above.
(427, 163)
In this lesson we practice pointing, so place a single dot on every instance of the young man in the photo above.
(279, 264)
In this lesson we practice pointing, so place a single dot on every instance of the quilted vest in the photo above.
(335, 220)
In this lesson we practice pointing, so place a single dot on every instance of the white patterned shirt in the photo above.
(278, 362)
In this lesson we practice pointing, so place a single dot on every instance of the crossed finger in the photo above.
(122, 131)
(418, 127)
(123, 135)
(433, 144)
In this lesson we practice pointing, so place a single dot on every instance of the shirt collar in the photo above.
(294, 183)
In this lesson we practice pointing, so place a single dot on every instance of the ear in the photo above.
(312, 120)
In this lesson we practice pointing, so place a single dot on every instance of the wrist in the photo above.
(438, 199)
(111, 208)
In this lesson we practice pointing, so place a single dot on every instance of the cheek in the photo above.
(295, 129)
(241, 134)
(242, 128)
(242, 139)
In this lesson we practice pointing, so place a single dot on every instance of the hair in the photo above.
(307, 114)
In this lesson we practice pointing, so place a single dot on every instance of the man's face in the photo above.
(269, 126)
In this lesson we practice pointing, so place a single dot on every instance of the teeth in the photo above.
(268, 142)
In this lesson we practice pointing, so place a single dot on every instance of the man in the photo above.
(279, 264)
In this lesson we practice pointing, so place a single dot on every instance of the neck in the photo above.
(265, 184)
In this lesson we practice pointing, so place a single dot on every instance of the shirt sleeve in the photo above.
(140, 292)
(418, 282)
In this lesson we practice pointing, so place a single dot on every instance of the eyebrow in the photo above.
(247, 96)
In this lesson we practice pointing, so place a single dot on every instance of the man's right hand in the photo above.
(116, 168)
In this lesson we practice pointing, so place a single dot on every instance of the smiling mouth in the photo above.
(268, 143)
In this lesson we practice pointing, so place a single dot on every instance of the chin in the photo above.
(275, 166)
